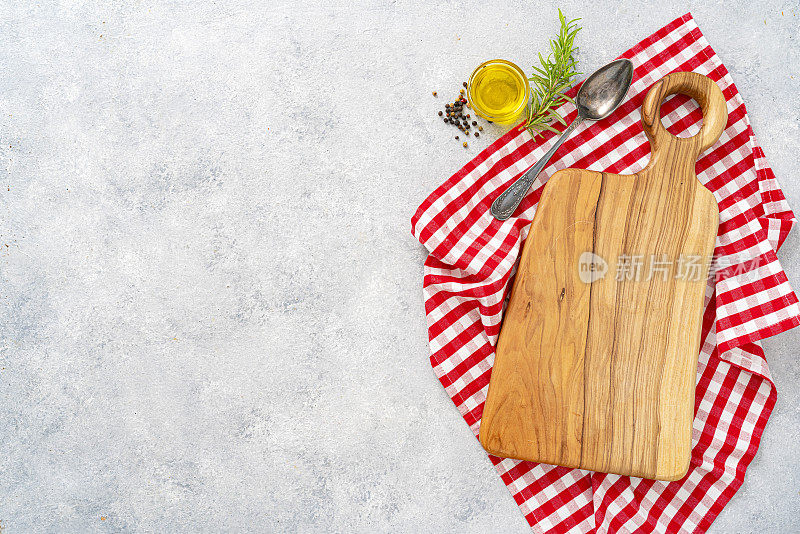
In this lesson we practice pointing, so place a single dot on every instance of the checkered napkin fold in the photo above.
(472, 258)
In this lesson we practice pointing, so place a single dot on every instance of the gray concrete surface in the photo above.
(210, 307)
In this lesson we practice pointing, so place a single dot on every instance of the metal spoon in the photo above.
(597, 98)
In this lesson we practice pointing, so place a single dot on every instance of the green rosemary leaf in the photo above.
(545, 126)
(551, 79)
(558, 117)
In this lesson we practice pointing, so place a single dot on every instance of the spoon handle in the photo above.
(504, 206)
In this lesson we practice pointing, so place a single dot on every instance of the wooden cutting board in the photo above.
(596, 361)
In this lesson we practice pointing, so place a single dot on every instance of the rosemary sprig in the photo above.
(552, 79)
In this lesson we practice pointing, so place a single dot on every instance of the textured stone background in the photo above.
(210, 302)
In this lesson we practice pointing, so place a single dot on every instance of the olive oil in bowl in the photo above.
(498, 91)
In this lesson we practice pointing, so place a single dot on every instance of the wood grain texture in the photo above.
(601, 375)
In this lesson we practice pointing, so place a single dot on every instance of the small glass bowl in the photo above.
(507, 118)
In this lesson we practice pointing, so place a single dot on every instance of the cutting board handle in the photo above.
(705, 92)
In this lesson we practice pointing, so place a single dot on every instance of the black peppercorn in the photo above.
(474, 123)
(440, 113)
(476, 134)
(464, 84)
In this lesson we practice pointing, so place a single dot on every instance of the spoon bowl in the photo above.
(600, 94)
(604, 90)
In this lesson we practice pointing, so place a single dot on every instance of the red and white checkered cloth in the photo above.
(472, 258)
